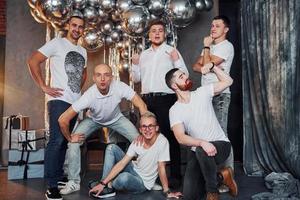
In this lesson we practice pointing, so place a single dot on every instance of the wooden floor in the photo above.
(34, 189)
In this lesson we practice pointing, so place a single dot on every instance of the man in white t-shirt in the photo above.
(122, 172)
(194, 123)
(220, 51)
(68, 74)
(102, 99)
(150, 69)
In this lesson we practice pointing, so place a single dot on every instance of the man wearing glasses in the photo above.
(122, 172)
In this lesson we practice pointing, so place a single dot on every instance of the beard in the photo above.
(186, 86)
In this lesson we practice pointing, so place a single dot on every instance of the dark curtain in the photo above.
(271, 74)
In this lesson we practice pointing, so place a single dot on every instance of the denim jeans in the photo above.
(87, 127)
(201, 171)
(128, 179)
(57, 145)
(221, 105)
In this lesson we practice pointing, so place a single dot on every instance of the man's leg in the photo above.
(221, 105)
(208, 164)
(124, 127)
(86, 127)
(193, 185)
(130, 182)
(57, 145)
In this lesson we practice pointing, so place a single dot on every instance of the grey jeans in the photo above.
(221, 104)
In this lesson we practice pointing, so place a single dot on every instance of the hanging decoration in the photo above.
(119, 25)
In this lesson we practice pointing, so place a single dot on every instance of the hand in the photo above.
(77, 137)
(209, 148)
(97, 189)
(207, 41)
(206, 68)
(176, 195)
(135, 59)
(54, 92)
(139, 140)
(174, 55)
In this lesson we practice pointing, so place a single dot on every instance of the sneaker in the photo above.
(53, 194)
(70, 187)
(156, 187)
(62, 183)
(223, 189)
(228, 180)
(106, 192)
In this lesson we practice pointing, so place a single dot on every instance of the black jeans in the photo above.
(57, 145)
(160, 106)
(201, 171)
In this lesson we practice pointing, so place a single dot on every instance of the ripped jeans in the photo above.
(221, 105)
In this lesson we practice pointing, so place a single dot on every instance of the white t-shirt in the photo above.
(198, 116)
(152, 68)
(104, 108)
(67, 62)
(225, 51)
(146, 164)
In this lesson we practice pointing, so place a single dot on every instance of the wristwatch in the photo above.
(166, 193)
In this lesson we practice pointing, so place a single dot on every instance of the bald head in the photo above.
(102, 67)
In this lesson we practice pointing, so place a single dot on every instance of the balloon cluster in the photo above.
(119, 24)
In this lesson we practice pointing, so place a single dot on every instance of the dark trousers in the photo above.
(160, 106)
(57, 145)
(201, 171)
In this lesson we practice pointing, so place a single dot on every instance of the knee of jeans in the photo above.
(120, 181)
(111, 148)
(58, 143)
(73, 148)
(200, 152)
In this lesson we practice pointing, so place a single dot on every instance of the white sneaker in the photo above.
(223, 189)
(156, 187)
(70, 187)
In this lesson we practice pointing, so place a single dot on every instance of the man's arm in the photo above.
(187, 140)
(112, 174)
(64, 123)
(163, 176)
(135, 71)
(139, 103)
(224, 80)
(208, 58)
(34, 66)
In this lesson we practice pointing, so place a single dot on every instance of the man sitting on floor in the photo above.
(122, 172)
(193, 114)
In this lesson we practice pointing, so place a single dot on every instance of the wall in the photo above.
(24, 35)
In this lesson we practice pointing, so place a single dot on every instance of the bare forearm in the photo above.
(223, 76)
(113, 173)
(198, 64)
(188, 140)
(206, 56)
(36, 74)
(64, 127)
(163, 179)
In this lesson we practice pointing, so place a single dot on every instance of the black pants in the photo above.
(160, 106)
(201, 171)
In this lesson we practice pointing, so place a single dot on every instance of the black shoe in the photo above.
(53, 194)
(106, 192)
(62, 183)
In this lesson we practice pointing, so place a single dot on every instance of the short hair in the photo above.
(148, 114)
(225, 19)
(169, 77)
(157, 22)
(76, 16)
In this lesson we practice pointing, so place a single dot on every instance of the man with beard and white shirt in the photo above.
(150, 68)
(194, 123)
(68, 74)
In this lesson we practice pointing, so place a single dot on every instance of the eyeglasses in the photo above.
(150, 127)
